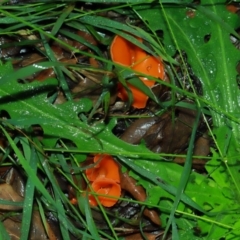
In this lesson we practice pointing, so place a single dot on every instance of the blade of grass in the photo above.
(3, 233)
(62, 199)
(136, 82)
(117, 28)
(81, 40)
(11, 203)
(89, 218)
(58, 71)
(185, 174)
(175, 234)
(30, 155)
(60, 21)
(64, 224)
(42, 215)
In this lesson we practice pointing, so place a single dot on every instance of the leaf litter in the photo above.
(174, 171)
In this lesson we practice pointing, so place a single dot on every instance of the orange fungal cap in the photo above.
(107, 167)
(124, 52)
(150, 66)
(104, 178)
(139, 98)
(108, 187)
(121, 51)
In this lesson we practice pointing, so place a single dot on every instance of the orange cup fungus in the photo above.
(127, 54)
(105, 180)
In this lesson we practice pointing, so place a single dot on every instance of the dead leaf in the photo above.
(135, 132)
(37, 231)
(8, 193)
(15, 179)
(201, 148)
(138, 192)
(139, 236)
(159, 133)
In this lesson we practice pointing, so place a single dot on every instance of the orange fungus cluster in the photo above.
(105, 180)
(127, 54)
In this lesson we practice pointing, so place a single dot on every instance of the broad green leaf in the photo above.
(208, 196)
(27, 104)
(163, 178)
(213, 60)
(205, 37)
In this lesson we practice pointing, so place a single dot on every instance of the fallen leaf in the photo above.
(138, 192)
(147, 236)
(9, 194)
(37, 232)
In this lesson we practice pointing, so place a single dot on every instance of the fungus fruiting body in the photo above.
(105, 181)
(127, 54)
(105, 167)
(108, 192)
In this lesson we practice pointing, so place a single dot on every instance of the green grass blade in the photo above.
(42, 215)
(92, 228)
(60, 21)
(175, 235)
(3, 233)
(62, 218)
(81, 40)
(11, 203)
(30, 155)
(185, 173)
(58, 71)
